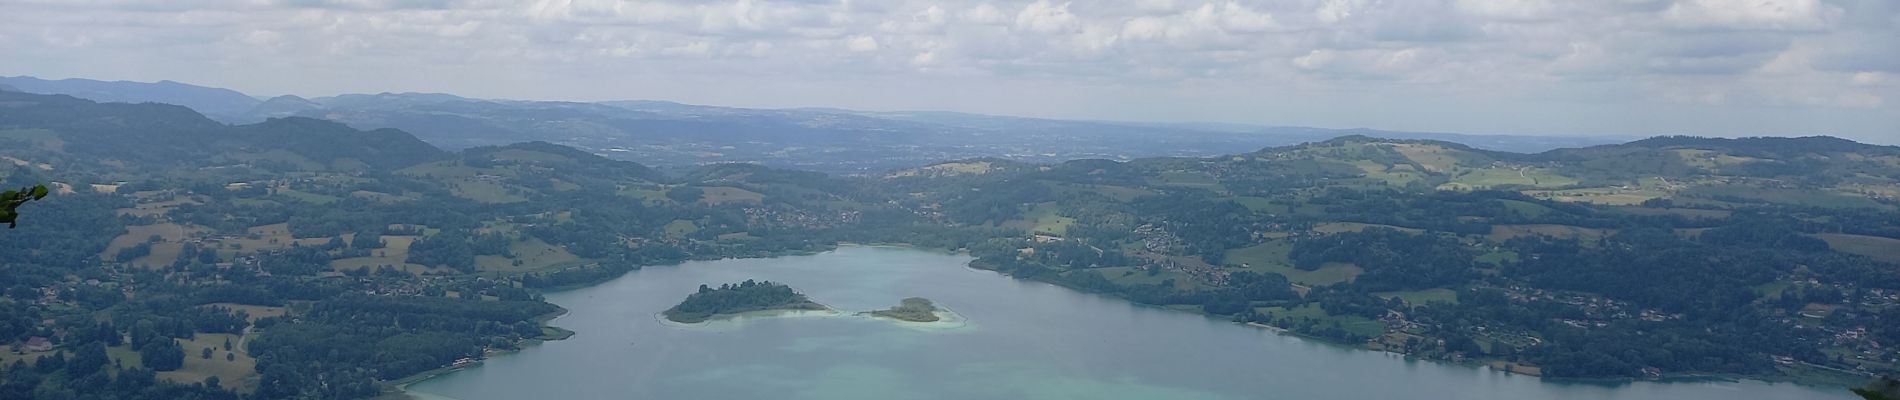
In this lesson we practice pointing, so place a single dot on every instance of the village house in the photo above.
(38, 344)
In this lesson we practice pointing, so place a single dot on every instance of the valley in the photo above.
(377, 255)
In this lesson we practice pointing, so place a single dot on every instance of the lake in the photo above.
(1021, 340)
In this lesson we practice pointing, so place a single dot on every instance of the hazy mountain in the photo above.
(72, 133)
(283, 106)
(677, 135)
(218, 103)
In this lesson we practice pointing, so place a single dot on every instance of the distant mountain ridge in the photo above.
(677, 135)
(219, 103)
(80, 132)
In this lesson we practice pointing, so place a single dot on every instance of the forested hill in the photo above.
(351, 258)
(332, 259)
(68, 133)
(1770, 256)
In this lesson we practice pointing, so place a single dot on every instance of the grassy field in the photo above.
(1271, 257)
(253, 312)
(1433, 157)
(381, 197)
(1354, 324)
(533, 254)
(1422, 297)
(679, 228)
(155, 208)
(240, 372)
(1047, 221)
(1681, 212)
(163, 253)
(1502, 233)
(1526, 208)
(1816, 198)
(1395, 175)
(1497, 257)
(1041, 219)
(1773, 290)
(1265, 254)
(307, 197)
(273, 236)
(1136, 276)
(1879, 248)
(136, 234)
(1710, 159)
(390, 254)
(725, 194)
(1627, 195)
(1495, 177)
(7, 357)
(1343, 227)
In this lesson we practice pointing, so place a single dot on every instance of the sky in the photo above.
(1547, 67)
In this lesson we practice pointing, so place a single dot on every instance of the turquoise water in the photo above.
(1021, 340)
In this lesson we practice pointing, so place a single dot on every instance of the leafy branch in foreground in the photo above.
(11, 200)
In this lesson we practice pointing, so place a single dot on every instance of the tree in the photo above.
(11, 200)
(206, 354)
(162, 354)
(1883, 388)
(90, 358)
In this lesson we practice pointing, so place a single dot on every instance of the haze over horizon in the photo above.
(1634, 67)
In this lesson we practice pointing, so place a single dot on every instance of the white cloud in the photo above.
(986, 14)
(861, 44)
(1745, 54)
(1750, 14)
(1522, 10)
(1045, 17)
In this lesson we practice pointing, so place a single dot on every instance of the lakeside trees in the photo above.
(744, 296)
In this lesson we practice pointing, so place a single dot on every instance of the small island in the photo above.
(915, 309)
(744, 297)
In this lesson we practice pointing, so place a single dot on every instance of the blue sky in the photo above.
(1632, 67)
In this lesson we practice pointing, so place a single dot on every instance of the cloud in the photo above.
(1046, 17)
(1519, 10)
(1800, 15)
(861, 44)
(1185, 58)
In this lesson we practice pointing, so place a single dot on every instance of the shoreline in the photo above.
(739, 318)
(400, 385)
(946, 320)
(1834, 380)
(399, 388)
